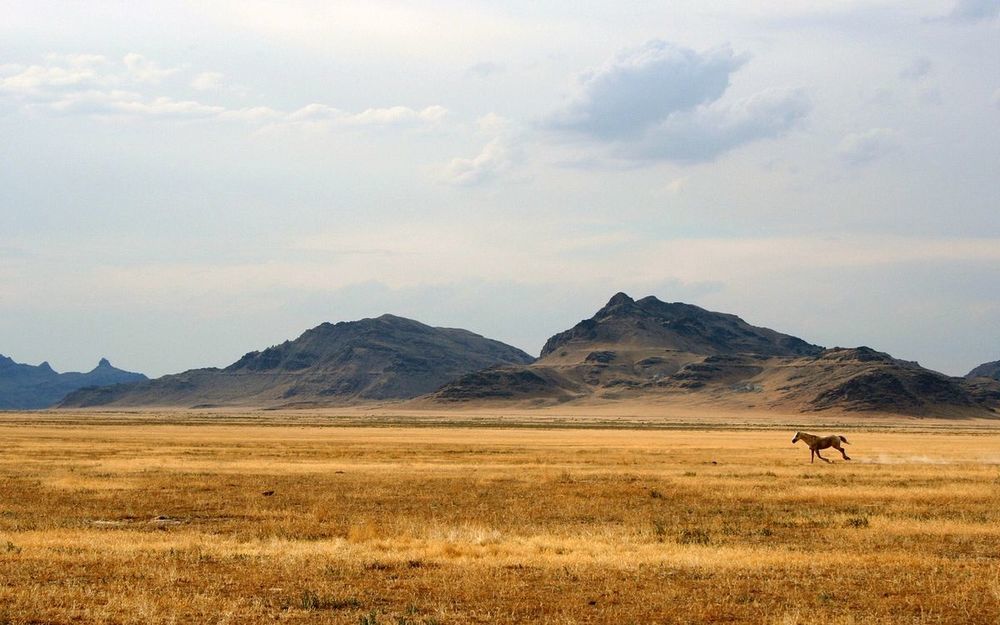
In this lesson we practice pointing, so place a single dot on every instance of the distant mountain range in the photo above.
(642, 350)
(649, 350)
(385, 358)
(28, 387)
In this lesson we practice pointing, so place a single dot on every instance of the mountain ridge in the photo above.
(649, 350)
(27, 387)
(986, 370)
(372, 359)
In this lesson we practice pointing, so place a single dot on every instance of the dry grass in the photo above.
(159, 523)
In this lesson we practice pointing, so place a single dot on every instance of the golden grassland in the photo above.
(138, 518)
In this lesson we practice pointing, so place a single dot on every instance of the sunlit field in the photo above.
(197, 523)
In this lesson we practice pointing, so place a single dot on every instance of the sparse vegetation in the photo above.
(694, 536)
(444, 526)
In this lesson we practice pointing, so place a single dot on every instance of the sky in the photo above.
(183, 182)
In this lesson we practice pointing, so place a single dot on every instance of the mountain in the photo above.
(650, 323)
(987, 370)
(984, 383)
(649, 350)
(26, 387)
(384, 358)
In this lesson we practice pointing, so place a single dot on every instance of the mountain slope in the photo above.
(649, 350)
(627, 345)
(650, 323)
(986, 370)
(387, 357)
(27, 387)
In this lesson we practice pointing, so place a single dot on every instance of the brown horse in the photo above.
(821, 442)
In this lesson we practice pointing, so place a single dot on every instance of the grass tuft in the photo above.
(694, 536)
(310, 600)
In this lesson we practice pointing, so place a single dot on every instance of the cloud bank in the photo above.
(864, 147)
(92, 85)
(660, 101)
(974, 10)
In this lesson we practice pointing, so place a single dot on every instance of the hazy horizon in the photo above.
(183, 184)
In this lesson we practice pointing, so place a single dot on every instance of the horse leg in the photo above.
(842, 452)
(821, 457)
(812, 456)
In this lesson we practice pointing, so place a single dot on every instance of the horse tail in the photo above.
(843, 440)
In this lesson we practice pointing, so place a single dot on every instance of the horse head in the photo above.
(796, 439)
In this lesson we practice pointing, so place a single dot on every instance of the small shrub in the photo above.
(659, 530)
(694, 536)
(342, 604)
(11, 548)
(369, 619)
(689, 474)
(655, 494)
(309, 600)
(858, 522)
(312, 601)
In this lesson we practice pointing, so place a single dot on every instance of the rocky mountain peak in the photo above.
(650, 322)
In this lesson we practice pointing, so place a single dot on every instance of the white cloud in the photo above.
(61, 73)
(974, 10)
(498, 157)
(664, 102)
(642, 86)
(495, 158)
(141, 69)
(253, 115)
(396, 115)
(485, 69)
(708, 131)
(676, 185)
(323, 117)
(128, 104)
(917, 68)
(493, 123)
(207, 81)
(90, 85)
(865, 147)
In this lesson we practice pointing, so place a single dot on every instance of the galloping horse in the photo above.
(821, 442)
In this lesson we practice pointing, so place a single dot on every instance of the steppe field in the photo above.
(315, 518)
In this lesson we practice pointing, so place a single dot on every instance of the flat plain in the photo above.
(300, 518)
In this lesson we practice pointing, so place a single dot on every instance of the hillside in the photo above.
(649, 350)
(986, 370)
(30, 387)
(384, 358)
